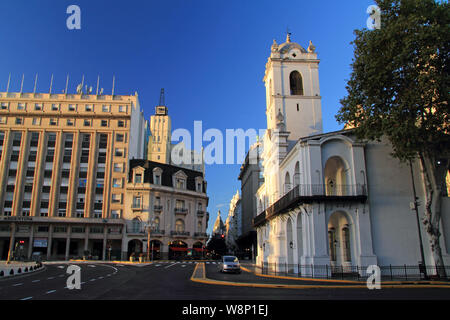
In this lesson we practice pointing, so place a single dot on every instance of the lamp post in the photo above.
(150, 225)
(418, 223)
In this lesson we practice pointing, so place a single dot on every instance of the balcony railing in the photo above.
(181, 210)
(201, 213)
(157, 207)
(135, 230)
(157, 232)
(200, 235)
(312, 193)
(179, 233)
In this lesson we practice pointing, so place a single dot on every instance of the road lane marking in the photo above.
(61, 267)
(17, 284)
(27, 298)
(51, 291)
(91, 266)
(35, 280)
(183, 265)
(50, 278)
(170, 266)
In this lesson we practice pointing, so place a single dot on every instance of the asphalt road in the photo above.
(171, 281)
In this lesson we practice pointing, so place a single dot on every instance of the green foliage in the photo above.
(399, 86)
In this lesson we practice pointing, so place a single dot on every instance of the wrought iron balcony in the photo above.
(181, 210)
(201, 213)
(157, 207)
(312, 193)
(157, 232)
(179, 233)
(200, 235)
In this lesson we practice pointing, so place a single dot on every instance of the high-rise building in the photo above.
(159, 140)
(64, 160)
(160, 147)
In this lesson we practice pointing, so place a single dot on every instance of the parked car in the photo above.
(230, 264)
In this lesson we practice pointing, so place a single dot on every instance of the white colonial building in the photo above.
(328, 199)
(233, 223)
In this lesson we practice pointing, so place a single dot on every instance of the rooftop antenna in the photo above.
(161, 98)
(35, 82)
(51, 84)
(9, 80)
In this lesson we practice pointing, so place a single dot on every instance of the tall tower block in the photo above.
(292, 88)
(160, 133)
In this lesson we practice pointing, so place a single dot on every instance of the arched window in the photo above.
(296, 83)
(179, 225)
(297, 174)
(287, 183)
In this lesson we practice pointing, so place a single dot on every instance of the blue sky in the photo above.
(209, 56)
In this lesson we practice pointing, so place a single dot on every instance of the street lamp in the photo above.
(150, 225)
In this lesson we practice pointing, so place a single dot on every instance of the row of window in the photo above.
(180, 227)
(180, 182)
(23, 106)
(67, 122)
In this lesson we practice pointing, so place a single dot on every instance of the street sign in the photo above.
(40, 243)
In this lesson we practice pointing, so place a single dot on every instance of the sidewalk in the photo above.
(292, 279)
(251, 278)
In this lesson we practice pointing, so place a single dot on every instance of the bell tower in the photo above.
(292, 89)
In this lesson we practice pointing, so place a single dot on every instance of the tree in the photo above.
(399, 89)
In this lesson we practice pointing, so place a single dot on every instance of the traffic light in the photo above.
(21, 241)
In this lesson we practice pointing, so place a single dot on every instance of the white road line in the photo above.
(17, 284)
(99, 278)
(61, 267)
(170, 266)
(92, 280)
(51, 291)
(50, 278)
(183, 265)
(27, 298)
(35, 280)
(91, 265)
(158, 265)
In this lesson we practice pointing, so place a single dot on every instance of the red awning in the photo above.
(178, 248)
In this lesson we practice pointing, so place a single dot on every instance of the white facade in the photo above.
(329, 200)
(233, 223)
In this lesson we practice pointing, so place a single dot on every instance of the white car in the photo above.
(230, 264)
